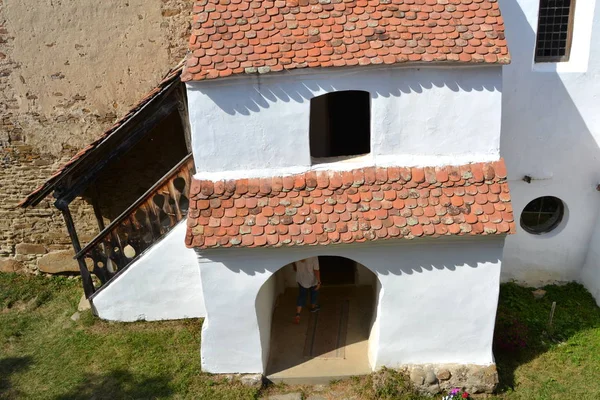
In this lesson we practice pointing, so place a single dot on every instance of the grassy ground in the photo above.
(536, 361)
(46, 355)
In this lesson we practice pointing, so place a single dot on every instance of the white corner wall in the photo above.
(265, 303)
(437, 302)
(428, 116)
(164, 283)
(590, 274)
(551, 132)
(375, 326)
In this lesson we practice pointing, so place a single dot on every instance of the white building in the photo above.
(374, 134)
(391, 161)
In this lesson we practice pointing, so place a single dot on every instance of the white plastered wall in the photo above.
(259, 125)
(550, 132)
(375, 325)
(437, 302)
(163, 283)
(590, 275)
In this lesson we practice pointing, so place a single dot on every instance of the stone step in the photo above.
(317, 379)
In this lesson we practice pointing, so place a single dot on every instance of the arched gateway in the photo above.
(428, 252)
(333, 342)
(397, 169)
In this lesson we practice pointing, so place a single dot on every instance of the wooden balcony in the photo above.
(141, 225)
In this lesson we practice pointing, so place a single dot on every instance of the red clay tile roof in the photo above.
(352, 206)
(259, 36)
(42, 191)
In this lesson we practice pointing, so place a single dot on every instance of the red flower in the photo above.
(465, 395)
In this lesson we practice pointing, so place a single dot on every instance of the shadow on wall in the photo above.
(420, 260)
(562, 134)
(120, 384)
(9, 366)
(389, 82)
(545, 136)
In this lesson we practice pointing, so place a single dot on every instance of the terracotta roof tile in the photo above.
(351, 206)
(250, 36)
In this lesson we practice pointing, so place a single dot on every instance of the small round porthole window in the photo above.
(542, 215)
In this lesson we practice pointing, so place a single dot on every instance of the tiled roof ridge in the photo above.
(233, 37)
(322, 207)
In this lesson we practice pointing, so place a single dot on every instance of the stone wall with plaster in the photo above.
(421, 280)
(68, 70)
(163, 283)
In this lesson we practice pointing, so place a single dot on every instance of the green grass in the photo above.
(46, 355)
(561, 361)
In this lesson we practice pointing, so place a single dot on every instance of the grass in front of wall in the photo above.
(46, 355)
(539, 361)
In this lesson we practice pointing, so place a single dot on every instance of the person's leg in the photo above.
(300, 301)
(314, 294)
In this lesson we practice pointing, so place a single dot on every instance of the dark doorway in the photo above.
(337, 270)
(340, 124)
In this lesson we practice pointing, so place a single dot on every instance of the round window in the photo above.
(542, 215)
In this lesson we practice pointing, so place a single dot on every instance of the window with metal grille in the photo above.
(542, 215)
(555, 30)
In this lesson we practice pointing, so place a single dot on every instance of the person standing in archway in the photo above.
(308, 277)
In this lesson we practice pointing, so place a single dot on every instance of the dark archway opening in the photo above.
(337, 270)
(339, 339)
(340, 124)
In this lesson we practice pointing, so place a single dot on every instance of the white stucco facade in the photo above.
(437, 301)
(550, 132)
(590, 274)
(419, 117)
(542, 118)
(259, 126)
(163, 283)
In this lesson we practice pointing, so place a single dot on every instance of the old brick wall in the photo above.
(68, 70)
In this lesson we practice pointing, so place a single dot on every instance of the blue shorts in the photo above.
(301, 301)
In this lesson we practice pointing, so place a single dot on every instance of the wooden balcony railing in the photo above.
(140, 226)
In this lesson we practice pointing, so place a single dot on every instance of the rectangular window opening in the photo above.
(340, 125)
(555, 31)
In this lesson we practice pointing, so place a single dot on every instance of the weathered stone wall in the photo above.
(68, 70)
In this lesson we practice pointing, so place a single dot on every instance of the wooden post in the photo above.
(86, 278)
(184, 116)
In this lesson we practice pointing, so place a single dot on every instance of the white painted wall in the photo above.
(257, 125)
(550, 131)
(437, 301)
(375, 326)
(590, 274)
(163, 283)
(265, 304)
